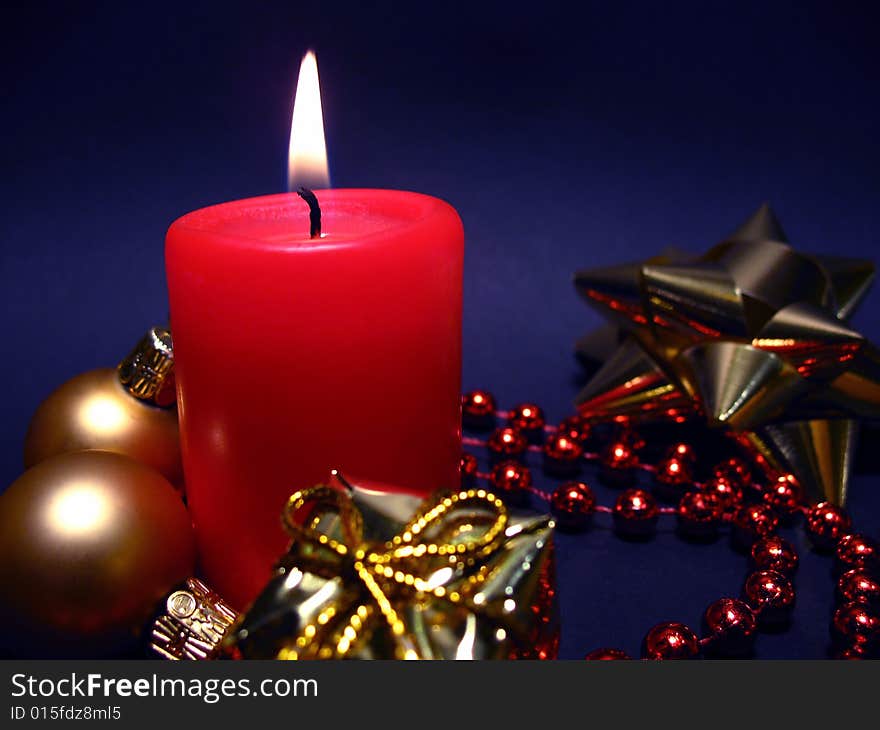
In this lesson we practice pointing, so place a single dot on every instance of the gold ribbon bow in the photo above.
(399, 569)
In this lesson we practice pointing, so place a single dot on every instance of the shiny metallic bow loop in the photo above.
(399, 569)
(753, 336)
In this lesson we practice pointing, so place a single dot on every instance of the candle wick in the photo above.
(337, 476)
(314, 211)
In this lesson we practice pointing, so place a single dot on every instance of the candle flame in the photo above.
(307, 157)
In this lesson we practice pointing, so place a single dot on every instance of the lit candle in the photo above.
(297, 354)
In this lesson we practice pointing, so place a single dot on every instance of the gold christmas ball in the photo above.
(95, 411)
(90, 543)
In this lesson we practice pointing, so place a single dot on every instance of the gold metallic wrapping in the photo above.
(379, 575)
(752, 335)
(194, 623)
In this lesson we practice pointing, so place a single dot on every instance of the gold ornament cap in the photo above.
(148, 371)
(194, 623)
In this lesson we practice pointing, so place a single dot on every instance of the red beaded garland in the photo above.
(562, 456)
(768, 594)
(785, 495)
(734, 470)
(851, 653)
(673, 470)
(855, 624)
(672, 476)
(478, 410)
(529, 419)
(731, 625)
(606, 654)
(856, 551)
(670, 640)
(699, 514)
(511, 478)
(771, 595)
(573, 504)
(630, 436)
(635, 513)
(730, 496)
(751, 523)
(576, 428)
(858, 586)
(826, 524)
(774, 553)
(618, 462)
(468, 467)
(506, 443)
(682, 451)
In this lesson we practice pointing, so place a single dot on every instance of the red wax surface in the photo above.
(295, 356)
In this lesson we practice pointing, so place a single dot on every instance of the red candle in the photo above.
(295, 355)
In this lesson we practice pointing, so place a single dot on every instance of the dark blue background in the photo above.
(567, 136)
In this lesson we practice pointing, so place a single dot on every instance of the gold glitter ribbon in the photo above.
(387, 574)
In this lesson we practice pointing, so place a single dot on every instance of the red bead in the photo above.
(573, 504)
(478, 410)
(785, 496)
(857, 551)
(771, 595)
(618, 463)
(851, 653)
(576, 428)
(735, 471)
(774, 553)
(699, 514)
(635, 514)
(826, 524)
(529, 419)
(468, 468)
(562, 456)
(730, 495)
(858, 586)
(682, 451)
(730, 624)
(511, 479)
(607, 654)
(670, 640)
(672, 477)
(751, 523)
(506, 443)
(855, 624)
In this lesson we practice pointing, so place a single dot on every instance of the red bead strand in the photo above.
(730, 625)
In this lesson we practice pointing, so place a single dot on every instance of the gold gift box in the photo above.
(376, 574)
